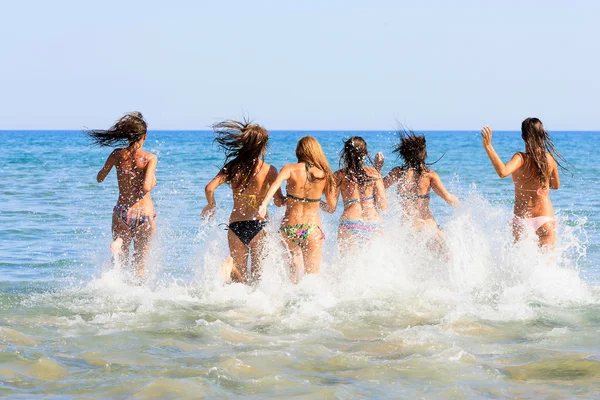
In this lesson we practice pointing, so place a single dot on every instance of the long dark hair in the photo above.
(412, 148)
(244, 143)
(352, 160)
(128, 130)
(537, 143)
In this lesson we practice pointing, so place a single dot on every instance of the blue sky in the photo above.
(300, 65)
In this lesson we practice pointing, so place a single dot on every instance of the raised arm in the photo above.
(284, 175)
(503, 170)
(209, 191)
(150, 178)
(440, 190)
(278, 197)
(332, 195)
(110, 162)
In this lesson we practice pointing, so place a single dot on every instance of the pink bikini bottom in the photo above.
(534, 223)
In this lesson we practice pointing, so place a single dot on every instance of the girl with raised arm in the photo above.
(245, 169)
(414, 181)
(301, 224)
(133, 218)
(534, 172)
(362, 192)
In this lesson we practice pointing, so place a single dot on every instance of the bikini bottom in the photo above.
(246, 230)
(534, 223)
(360, 228)
(298, 233)
(132, 218)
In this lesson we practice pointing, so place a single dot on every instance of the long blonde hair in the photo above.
(309, 151)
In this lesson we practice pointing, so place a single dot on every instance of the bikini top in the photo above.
(302, 199)
(352, 201)
(415, 196)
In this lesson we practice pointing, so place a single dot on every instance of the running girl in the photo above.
(414, 181)
(301, 224)
(362, 192)
(250, 176)
(133, 218)
(534, 172)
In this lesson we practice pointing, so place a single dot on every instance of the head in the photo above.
(352, 159)
(130, 130)
(537, 143)
(309, 150)
(244, 144)
(412, 148)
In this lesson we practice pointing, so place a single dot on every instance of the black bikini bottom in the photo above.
(246, 230)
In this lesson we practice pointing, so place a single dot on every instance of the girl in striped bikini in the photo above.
(133, 217)
(250, 176)
(301, 226)
(362, 192)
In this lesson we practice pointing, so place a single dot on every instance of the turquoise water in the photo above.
(495, 321)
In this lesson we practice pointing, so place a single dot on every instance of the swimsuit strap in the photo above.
(302, 199)
(351, 201)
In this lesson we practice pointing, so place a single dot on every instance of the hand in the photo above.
(379, 160)
(208, 211)
(262, 211)
(454, 201)
(486, 136)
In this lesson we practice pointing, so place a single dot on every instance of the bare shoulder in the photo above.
(372, 171)
(150, 156)
(431, 174)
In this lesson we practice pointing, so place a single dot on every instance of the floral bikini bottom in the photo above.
(298, 233)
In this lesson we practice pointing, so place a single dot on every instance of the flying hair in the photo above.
(352, 160)
(127, 131)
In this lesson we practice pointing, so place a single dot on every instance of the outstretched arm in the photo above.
(150, 178)
(110, 162)
(209, 191)
(503, 170)
(332, 195)
(284, 175)
(440, 190)
(278, 197)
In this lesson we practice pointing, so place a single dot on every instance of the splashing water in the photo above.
(391, 319)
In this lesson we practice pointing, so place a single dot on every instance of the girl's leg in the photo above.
(345, 241)
(547, 236)
(239, 255)
(141, 244)
(296, 259)
(122, 237)
(311, 252)
(256, 256)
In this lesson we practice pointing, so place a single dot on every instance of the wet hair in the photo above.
(244, 143)
(309, 151)
(352, 160)
(537, 144)
(412, 148)
(128, 130)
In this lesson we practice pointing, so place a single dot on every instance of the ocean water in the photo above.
(496, 320)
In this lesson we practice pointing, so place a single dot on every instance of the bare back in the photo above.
(360, 200)
(414, 192)
(131, 166)
(532, 199)
(247, 197)
(304, 184)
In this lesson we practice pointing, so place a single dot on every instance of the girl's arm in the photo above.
(440, 190)
(501, 169)
(284, 175)
(393, 177)
(278, 197)
(209, 191)
(554, 178)
(332, 195)
(150, 178)
(110, 162)
(379, 192)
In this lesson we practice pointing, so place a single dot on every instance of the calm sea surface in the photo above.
(393, 321)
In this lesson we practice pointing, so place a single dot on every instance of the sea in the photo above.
(389, 320)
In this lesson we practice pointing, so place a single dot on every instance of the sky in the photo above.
(301, 65)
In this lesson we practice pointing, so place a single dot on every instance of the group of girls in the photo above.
(255, 183)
